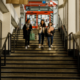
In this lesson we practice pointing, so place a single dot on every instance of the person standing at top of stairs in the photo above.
(26, 33)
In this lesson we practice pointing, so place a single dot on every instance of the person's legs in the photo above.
(42, 38)
(28, 39)
(49, 42)
(25, 42)
(39, 40)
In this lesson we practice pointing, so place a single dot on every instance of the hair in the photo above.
(44, 25)
(27, 20)
(49, 23)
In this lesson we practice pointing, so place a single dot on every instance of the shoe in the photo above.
(39, 46)
(26, 47)
(49, 48)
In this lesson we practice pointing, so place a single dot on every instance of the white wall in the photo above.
(71, 16)
(55, 17)
(1, 16)
(17, 9)
(11, 28)
(11, 9)
(22, 20)
(60, 2)
(6, 25)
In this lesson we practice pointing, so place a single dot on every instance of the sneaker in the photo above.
(49, 48)
(39, 46)
(26, 47)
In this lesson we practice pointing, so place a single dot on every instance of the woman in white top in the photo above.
(41, 28)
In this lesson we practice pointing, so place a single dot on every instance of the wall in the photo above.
(68, 15)
(17, 9)
(22, 20)
(60, 11)
(55, 16)
(11, 28)
(6, 26)
(71, 16)
(1, 16)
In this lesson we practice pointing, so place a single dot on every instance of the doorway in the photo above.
(0, 34)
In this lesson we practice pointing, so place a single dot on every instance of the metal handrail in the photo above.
(77, 46)
(4, 47)
(9, 47)
(15, 36)
(70, 37)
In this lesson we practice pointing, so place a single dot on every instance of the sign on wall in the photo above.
(44, 1)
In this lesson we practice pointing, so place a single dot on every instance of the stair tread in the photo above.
(39, 66)
(38, 75)
(38, 70)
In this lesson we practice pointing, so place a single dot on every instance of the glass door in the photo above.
(33, 19)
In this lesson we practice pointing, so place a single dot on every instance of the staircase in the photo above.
(39, 64)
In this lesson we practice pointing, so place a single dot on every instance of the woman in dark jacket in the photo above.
(26, 33)
(50, 34)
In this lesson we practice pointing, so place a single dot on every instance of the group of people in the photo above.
(43, 31)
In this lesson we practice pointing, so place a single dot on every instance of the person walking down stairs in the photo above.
(26, 33)
(41, 29)
(50, 34)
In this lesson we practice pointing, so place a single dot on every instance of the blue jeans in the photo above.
(50, 42)
(41, 35)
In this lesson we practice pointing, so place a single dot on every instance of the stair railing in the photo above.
(76, 48)
(7, 46)
(15, 37)
(67, 38)
(63, 33)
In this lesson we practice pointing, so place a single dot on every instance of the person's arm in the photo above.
(52, 32)
(24, 29)
(30, 28)
(39, 27)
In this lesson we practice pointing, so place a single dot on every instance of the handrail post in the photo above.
(73, 48)
(5, 55)
(8, 44)
(14, 44)
(78, 62)
(69, 42)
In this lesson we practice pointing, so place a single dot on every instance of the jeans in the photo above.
(50, 42)
(41, 35)
(27, 40)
